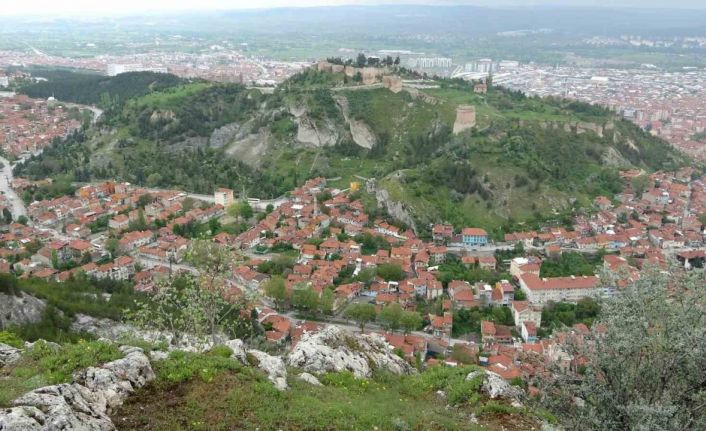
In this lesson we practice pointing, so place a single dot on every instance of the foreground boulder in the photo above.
(84, 404)
(496, 387)
(9, 355)
(334, 349)
(308, 378)
(238, 348)
(273, 366)
(21, 309)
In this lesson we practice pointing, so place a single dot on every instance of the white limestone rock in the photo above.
(9, 355)
(238, 349)
(85, 404)
(22, 419)
(67, 406)
(334, 349)
(116, 380)
(273, 366)
(20, 309)
(496, 387)
(310, 379)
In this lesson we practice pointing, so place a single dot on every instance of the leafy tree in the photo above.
(246, 210)
(7, 215)
(54, 259)
(646, 368)
(154, 179)
(305, 299)
(640, 184)
(391, 272)
(196, 305)
(410, 321)
(326, 301)
(276, 289)
(111, 246)
(145, 200)
(391, 317)
(187, 204)
(240, 209)
(361, 313)
(22, 220)
(366, 276)
(361, 60)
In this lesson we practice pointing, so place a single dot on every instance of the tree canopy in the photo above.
(645, 364)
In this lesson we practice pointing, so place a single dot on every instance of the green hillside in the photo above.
(527, 160)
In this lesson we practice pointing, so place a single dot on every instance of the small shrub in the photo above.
(11, 339)
(221, 351)
(459, 392)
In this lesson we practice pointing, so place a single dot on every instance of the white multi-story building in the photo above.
(224, 197)
(558, 289)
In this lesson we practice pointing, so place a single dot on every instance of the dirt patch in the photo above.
(509, 422)
(150, 406)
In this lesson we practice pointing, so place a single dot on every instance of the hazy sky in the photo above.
(62, 7)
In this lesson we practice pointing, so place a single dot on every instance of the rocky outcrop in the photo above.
(116, 331)
(250, 148)
(238, 349)
(84, 404)
(312, 134)
(9, 355)
(396, 209)
(116, 380)
(20, 310)
(334, 349)
(360, 132)
(310, 379)
(273, 366)
(223, 135)
(495, 387)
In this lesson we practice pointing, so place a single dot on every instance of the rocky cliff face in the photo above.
(84, 404)
(334, 349)
(20, 310)
(396, 209)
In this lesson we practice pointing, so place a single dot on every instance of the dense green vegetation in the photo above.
(571, 263)
(94, 89)
(104, 298)
(557, 315)
(529, 161)
(467, 321)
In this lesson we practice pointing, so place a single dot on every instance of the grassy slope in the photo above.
(202, 392)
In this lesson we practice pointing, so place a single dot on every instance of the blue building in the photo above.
(474, 237)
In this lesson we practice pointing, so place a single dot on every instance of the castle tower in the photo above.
(465, 118)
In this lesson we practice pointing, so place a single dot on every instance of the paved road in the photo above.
(17, 207)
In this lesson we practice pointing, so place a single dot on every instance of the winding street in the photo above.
(17, 207)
